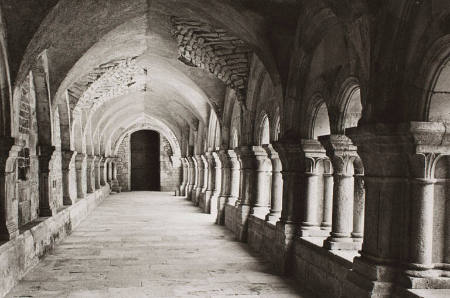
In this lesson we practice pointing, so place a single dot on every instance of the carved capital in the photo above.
(68, 157)
(422, 165)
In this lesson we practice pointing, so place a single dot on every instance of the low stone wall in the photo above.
(321, 270)
(261, 237)
(230, 218)
(19, 255)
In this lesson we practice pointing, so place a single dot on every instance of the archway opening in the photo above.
(145, 160)
(321, 125)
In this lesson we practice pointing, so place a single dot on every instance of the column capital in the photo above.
(341, 151)
(68, 157)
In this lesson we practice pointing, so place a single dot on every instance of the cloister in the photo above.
(313, 131)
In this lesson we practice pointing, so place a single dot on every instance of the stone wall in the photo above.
(21, 254)
(170, 175)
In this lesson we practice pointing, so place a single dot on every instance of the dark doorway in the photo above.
(145, 165)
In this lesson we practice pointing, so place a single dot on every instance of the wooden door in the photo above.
(145, 166)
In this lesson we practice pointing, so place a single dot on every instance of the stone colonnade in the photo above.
(316, 189)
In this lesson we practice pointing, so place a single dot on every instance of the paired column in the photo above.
(9, 225)
(46, 204)
(342, 154)
(399, 164)
(276, 185)
(69, 177)
(327, 207)
(211, 181)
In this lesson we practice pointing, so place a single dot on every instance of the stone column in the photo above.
(109, 170)
(200, 178)
(211, 180)
(422, 212)
(247, 185)
(103, 171)
(184, 182)
(261, 205)
(98, 172)
(358, 208)
(399, 161)
(69, 184)
(226, 186)
(327, 197)
(90, 166)
(115, 186)
(235, 177)
(201, 198)
(195, 189)
(46, 204)
(277, 184)
(9, 221)
(80, 165)
(191, 181)
(314, 156)
(342, 154)
(291, 157)
(217, 184)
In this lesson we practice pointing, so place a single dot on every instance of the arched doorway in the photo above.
(145, 163)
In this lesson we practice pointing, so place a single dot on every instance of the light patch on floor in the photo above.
(151, 244)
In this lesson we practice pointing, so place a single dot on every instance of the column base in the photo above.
(273, 216)
(260, 211)
(371, 280)
(189, 192)
(115, 186)
(243, 213)
(197, 196)
(232, 201)
(341, 244)
(313, 231)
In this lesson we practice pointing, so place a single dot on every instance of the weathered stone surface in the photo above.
(39, 238)
(108, 255)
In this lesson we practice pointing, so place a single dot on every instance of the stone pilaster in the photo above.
(342, 154)
(235, 177)
(276, 185)
(199, 181)
(90, 166)
(80, 166)
(69, 184)
(291, 158)
(103, 171)
(225, 161)
(201, 198)
(9, 222)
(214, 201)
(46, 205)
(184, 182)
(211, 181)
(98, 173)
(261, 204)
(191, 180)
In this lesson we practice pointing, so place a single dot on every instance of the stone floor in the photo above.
(150, 244)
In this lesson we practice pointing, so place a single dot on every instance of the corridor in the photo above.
(151, 244)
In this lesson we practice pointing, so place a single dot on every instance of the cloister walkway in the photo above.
(152, 244)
